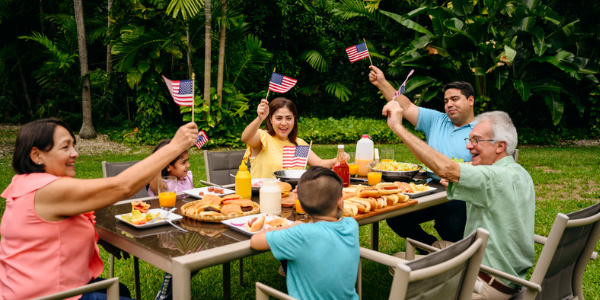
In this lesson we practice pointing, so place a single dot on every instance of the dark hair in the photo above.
(163, 143)
(319, 190)
(465, 88)
(276, 104)
(39, 134)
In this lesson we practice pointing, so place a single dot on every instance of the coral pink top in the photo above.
(39, 257)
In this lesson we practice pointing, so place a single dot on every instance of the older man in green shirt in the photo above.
(499, 193)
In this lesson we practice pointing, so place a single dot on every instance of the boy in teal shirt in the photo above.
(322, 257)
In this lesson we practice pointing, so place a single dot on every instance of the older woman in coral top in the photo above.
(48, 237)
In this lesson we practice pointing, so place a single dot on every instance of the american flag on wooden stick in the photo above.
(182, 91)
(357, 52)
(280, 83)
(402, 88)
(295, 156)
(201, 140)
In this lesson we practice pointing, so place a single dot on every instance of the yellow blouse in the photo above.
(269, 159)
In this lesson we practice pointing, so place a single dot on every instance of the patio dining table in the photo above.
(206, 244)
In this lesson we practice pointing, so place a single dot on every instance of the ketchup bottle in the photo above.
(341, 167)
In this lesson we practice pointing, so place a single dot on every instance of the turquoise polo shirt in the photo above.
(322, 257)
(442, 135)
(501, 199)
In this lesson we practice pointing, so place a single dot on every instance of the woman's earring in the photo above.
(39, 163)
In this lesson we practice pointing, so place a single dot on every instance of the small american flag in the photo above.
(357, 52)
(295, 156)
(402, 88)
(182, 91)
(280, 83)
(201, 140)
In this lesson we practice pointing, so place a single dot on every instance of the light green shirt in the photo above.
(501, 199)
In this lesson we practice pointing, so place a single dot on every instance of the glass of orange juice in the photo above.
(301, 214)
(167, 191)
(374, 177)
(352, 166)
(387, 154)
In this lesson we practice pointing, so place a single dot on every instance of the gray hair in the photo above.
(502, 128)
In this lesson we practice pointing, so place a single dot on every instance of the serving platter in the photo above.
(238, 224)
(185, 210)
(173, 217)
(410, 202)
(431, 190)
(196, 192)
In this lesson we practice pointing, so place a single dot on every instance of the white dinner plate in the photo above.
(238, 223)
(257, 183)
(163, 213)
(196, 192)
(423, 193)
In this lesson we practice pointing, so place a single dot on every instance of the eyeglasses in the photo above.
(475, 141)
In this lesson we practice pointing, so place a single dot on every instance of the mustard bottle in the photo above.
(243, 182)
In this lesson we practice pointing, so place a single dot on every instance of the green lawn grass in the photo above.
(566, 180)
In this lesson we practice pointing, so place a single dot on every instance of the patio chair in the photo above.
(449, 273)
(112, 292)
(220, 165)
(515, 155)
(110, 170)
(558, 273)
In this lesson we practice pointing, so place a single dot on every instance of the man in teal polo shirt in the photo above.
(499, 194)
(445, 133)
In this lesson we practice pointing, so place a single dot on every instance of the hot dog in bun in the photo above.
(362, 204)
(404, 187)
(350, 209)
(367, 192)
(387, 188)
(255, 224)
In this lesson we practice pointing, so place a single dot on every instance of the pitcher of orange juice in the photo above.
(364, 154)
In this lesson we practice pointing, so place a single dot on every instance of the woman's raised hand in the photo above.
(263, 109)
(186, 136)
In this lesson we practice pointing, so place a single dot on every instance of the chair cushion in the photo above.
(221, 165)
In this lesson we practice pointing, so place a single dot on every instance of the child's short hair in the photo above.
(319, 190)
(163, 143)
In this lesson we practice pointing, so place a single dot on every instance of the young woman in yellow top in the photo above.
(265, 147)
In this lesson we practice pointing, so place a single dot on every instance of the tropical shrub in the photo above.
(518, 55)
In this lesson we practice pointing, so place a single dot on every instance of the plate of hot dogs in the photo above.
(256, 223)
(362, 199)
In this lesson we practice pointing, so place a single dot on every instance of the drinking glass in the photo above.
(167, 191)
(352, 166)
(374, 177)
(387, 154)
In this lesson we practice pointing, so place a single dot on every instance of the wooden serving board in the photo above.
(410, 202)
(290, 200)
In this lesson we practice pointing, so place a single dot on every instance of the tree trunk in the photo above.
(25, 93)
(221, 53)
(108, 54)
(87, 130)
(108, 61)
(207, 45)
(189, 51)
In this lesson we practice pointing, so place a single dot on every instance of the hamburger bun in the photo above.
(231, 210)
(285, 188)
